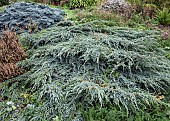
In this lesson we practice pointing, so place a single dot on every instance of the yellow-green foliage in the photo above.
(82, 3)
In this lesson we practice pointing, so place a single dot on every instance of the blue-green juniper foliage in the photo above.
(88, 64)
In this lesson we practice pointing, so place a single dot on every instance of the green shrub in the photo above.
(86, 64)
(110, 113)
(82, 3)
(148, 8)
(163, 16)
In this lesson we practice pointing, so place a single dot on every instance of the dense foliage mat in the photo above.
(22, 16)
(86, 64)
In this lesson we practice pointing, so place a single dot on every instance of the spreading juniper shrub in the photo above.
(28, 17)
(88, 64)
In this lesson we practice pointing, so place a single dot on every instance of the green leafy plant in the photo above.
(82, 3)
(111, 113)
(163, 16)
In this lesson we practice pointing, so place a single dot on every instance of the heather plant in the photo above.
(87, 64)
(28, 17)
(10, 52)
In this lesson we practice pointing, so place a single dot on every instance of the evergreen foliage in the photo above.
(28, 17)
(110, 113)
(163, 16)
(87, 64)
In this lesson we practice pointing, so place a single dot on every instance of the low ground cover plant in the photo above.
(110, 113)
(87, 64)
(91, 70)
(28, 17)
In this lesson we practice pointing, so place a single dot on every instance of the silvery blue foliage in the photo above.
(83, 64)
(21, 15)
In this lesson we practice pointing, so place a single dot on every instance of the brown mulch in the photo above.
(10, 53)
